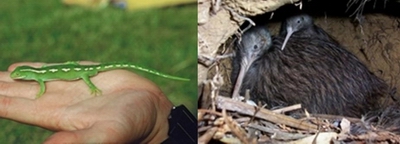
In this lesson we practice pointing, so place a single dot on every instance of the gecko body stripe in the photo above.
(108, 66)
(53, 70)
(65, 69)
(35, 71)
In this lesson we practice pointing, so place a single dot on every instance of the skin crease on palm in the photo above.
(131, 108)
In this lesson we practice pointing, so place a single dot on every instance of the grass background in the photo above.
(161, 39)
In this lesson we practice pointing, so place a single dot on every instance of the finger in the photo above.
(19, 109)
(101, 132)
(32, 64)
(19, 89)
(16, 88)
(88, 62)
(5, 77)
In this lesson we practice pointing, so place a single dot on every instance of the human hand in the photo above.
(130, 109)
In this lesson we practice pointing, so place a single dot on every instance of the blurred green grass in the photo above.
(160, 39)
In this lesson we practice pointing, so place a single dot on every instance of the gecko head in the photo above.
(21, 72)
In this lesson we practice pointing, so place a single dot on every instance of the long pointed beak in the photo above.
(289, 33)
(244, 67)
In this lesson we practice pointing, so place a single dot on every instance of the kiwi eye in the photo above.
(301, 19)
(255, 47)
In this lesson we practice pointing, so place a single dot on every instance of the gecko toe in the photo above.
(96, 92)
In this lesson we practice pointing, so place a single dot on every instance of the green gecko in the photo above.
(74, 71)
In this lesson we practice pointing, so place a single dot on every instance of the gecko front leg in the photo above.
(93, 89)
(42, 88)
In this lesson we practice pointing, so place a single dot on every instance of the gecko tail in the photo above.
(159, 74)
(120, 65)
(175, 78)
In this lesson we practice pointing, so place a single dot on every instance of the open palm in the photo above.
(130, 109)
